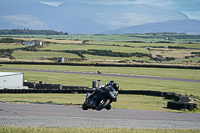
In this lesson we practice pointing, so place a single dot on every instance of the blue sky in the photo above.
(189, 7)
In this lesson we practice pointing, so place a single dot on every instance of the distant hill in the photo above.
(190, 26)
(76, 17)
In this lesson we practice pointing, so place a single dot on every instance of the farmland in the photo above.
(162, 49)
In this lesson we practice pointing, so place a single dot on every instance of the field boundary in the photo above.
(103, 65)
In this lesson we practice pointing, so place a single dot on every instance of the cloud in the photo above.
(28, 21)
(181, 5)
(56, 4)
(189, 7)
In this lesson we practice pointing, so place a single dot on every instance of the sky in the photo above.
(189, 7)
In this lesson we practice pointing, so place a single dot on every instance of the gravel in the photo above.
(47, 121)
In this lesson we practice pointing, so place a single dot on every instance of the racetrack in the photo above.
(45, 115)
(106, 74)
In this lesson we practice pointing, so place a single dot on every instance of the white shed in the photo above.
(11, 80)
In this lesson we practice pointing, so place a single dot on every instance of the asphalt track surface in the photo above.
(45, 115)
(106, 74)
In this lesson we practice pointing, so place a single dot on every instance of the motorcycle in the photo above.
(99, 72)
(101, 100)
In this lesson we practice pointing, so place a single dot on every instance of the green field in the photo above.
(117, 43)
(189, 45)
(179, 54)
(126, 43)
(97, 58)
(138, 102)
(90, 37)
(11, 46)
(99, 47)
(176, 38)
(131, 44)
(28, 55)
(124, 101)
(188, 88)
(176, 53)
(159, 72)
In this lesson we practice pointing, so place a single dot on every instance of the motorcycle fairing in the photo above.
(112, 93)
(97, 98)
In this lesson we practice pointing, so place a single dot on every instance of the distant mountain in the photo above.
(190, 26)
(76, 17)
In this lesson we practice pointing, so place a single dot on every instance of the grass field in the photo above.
(11, 46)
(189, 45)
(125, 83)
(176, 53)
(97, 58)
(131, 44)
(146, 71)
(99, 47)
(177, 38)
(90, 130)
(28, 55)
(137, 102)
(89, 37)
(116, 43)
(124, 101)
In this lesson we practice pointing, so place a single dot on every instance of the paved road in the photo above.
(44, 115)
(106, 74)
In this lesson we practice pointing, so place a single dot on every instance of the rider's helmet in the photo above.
(111, 82)
(116, 86)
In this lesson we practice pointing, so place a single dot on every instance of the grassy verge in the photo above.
(137, 102)
(89, 130)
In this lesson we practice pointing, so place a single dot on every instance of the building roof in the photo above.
(8, 74)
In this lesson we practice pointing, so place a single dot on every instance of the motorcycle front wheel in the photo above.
(84, 106)
(102, 104)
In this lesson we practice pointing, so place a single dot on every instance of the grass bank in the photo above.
(137, 102)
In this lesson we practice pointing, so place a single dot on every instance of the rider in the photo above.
(106, 86)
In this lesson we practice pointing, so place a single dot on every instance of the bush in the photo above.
(12, 57)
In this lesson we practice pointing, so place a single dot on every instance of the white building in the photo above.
(33, 43)
(10, 80)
